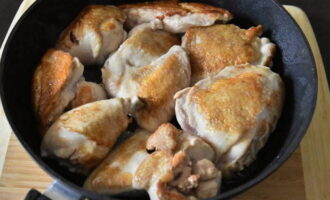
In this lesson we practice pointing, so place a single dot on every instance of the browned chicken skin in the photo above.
(235, 111)
(94, 34)
(115, 174)
(147, 65)
(88, 92)
(83, 136)
(213, 48)
(170, 172)
(172, 16)
(54, 84)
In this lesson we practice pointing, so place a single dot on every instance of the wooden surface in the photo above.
(315, 147)
(5, 130)
(305, 175)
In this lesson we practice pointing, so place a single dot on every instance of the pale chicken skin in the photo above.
(174, 17)
(54, 84)
(146, 66)
(213, 48)
(94, 34)
(235, 111)
(144, 46)
(82, 137)
(174, 171)
(115, 174)
(88, 92)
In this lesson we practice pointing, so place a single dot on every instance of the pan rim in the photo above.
(270, 169)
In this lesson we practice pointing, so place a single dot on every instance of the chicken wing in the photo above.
(234, 110)
(213, 48)
(88, 92)
(83, 136)
(54, 85)
(115, 173)
(174, 17)
(139, 68)
(94, 34)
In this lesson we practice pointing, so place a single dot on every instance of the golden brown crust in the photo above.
(152, 42)
(110, 177)
(84, 95)
(237, 115)
(93, 17)
(179, 160)
(231, 104)
(253, 32)
(164, 139)
(49, 81)
(230, 45)
(169, 8)
(98, 130)
(158, 90)
(87, 92)
(165, 193)
(203, 8)
(155, 168)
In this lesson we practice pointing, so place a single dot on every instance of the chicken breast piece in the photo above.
(174, 171)
(115, 173)
(166, 75)
(88, 92)
(235, 110)
(139, 68)
(229, 45)
(174, 17)
(83, 136)
(94, 34)
(143, 46)
(54, 85)
(164, 175)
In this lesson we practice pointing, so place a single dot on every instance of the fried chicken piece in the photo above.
(54, 84)
(179, 164)
(174, 17)
(82, 137)
(115, 174)
(94, 34)
(235, 111)
(213, 48)
(88, 92)
(147, 65)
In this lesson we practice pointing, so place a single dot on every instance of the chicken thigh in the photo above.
(235, 110)
(181, 167)
(83, 136)
(94, 34)
(139, 68)
(213, 48)
(115, 173)
(88, 92)
(172, 16)
(54, 85)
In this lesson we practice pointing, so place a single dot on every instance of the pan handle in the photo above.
(56, 191)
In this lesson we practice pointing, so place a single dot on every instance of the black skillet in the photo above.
(41, 25)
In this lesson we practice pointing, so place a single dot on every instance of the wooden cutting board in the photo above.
(306, 175)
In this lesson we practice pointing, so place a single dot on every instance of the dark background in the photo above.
(318, 12)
